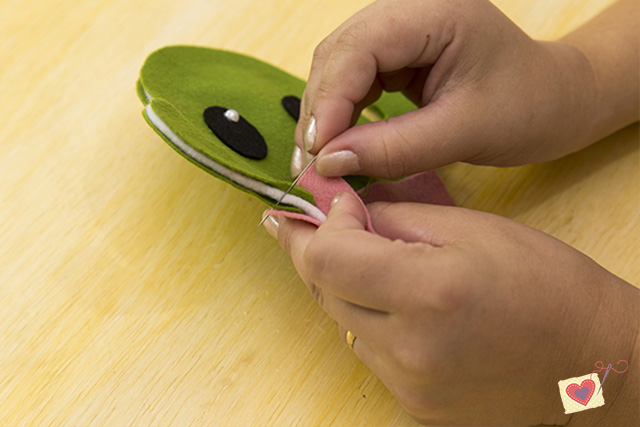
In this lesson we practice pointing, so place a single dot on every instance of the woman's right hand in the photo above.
(488, 93)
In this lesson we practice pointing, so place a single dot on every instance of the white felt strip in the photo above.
(242, 180)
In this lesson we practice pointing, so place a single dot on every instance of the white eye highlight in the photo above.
(232, 115)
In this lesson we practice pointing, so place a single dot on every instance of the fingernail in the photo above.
(339, 163)
(296, 162)
(335, 199)
(310, 135)
(271, 224)
(307, 158)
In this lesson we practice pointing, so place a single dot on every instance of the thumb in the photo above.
(413, 142)
(346, 213)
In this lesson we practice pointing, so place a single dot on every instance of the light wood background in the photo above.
(137, 290)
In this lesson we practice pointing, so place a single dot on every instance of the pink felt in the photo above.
(295, 215)
(425, 187)
(324, 190)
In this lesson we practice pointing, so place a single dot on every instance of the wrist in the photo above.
(615, 336)
(609, 45)
(623, 408)
(581, 118)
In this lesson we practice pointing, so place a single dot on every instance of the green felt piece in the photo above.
(140, 92)
(185, 80)
(185, 135)
(180, 82)
(393, 104)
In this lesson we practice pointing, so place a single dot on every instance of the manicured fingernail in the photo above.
(339, 163)
(271, 224)
(296, 162)
(307, 158)
(310, 135)
(335, 199)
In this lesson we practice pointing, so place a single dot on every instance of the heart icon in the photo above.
(581, 393)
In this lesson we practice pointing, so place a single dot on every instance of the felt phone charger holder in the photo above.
(235, 116)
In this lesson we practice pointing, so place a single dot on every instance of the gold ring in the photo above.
(350, 339)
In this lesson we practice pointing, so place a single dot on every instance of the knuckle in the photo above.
(454, 293)
(402, 151)
(317, 294)
(412, 362)
(324, 88)
(353, 35)
(384, 156)
(284, 238)
(450, 298)
(393, 152)
(323, 49)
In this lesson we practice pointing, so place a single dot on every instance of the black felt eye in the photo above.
(236, 132)
(292, 105)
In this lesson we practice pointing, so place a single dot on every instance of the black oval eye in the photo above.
(292, 105)
(235, 132)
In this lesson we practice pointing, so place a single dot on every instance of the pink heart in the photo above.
(581, 393)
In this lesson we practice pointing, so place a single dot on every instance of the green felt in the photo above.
(268, 201)
(140, 92)
(393, 104)
(185, 80)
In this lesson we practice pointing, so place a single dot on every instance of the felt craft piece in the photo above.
(425, 187)
(178, 83)
(324, 191)
(235, 117)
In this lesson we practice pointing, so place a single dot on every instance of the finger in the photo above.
(358, 53)
(296, 238)
(420, 140)
(414, 90)
(320, 56)
(360, 267)
(416, 222)
(362, 350)
(346, 213)
(374, 360)
(292, 235)
(366, 321)
(374, 93)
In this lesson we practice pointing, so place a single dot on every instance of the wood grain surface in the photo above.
(137, 290)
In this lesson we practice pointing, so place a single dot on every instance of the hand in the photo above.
(468, 318)
(488, 93)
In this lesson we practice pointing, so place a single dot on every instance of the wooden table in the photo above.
(136, 289)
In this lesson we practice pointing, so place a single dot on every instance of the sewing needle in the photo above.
(293, 184)
(605, 377)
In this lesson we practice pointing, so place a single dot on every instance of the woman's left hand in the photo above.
(468, 318)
